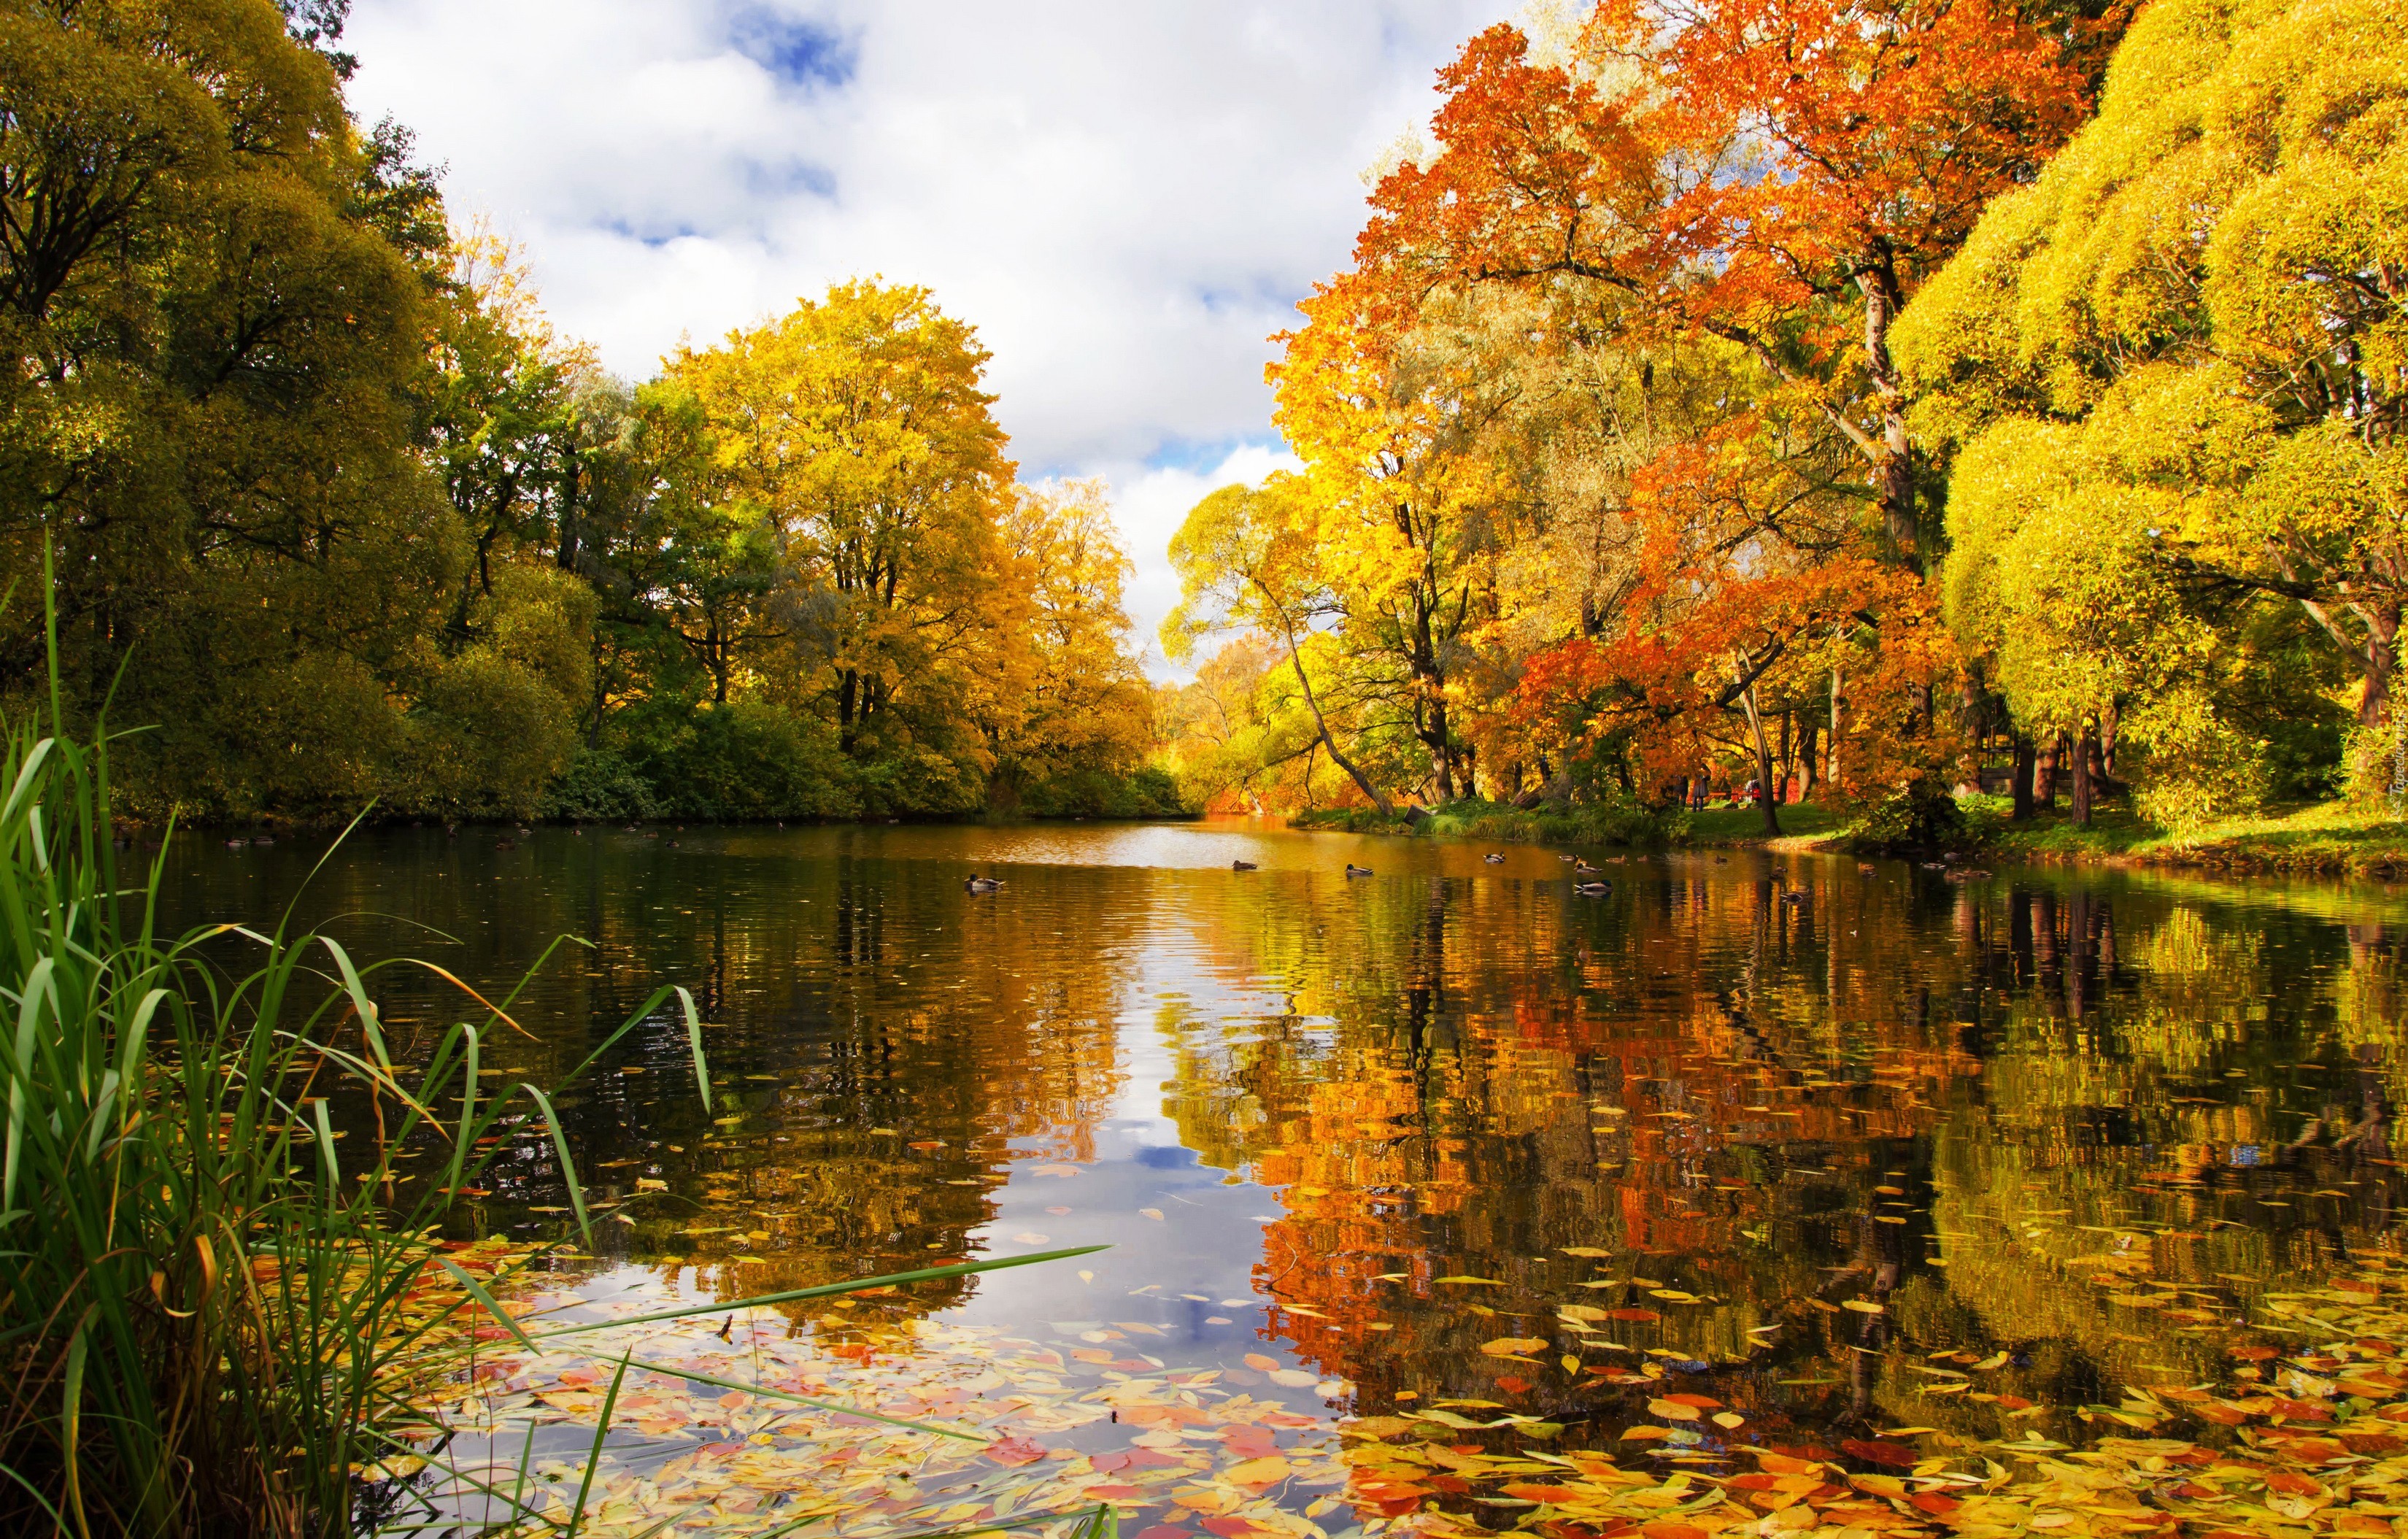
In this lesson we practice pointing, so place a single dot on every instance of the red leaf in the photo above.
(1013, 1452)
(1895, 1456)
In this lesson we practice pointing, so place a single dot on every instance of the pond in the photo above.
(1848, 1158)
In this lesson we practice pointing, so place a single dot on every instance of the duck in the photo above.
(1353, 870)
(1494, 859)
(1794, 895)
(1564, 858)
(983, 884)
(1592, 889)
(1581, 867)
(1243, 866)
(1866, 867)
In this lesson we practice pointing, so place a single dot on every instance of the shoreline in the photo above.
(2315, 838)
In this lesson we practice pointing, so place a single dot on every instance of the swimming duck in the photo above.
(1494, 859)
(1243, 866)
(1581, 867)
(1592, 889)
(1353, 870)
(1564, 858)
(983, 884)
(1794, 896)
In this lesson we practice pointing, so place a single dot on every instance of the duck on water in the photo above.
(983, 884)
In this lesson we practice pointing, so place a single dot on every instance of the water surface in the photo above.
(1367, 1127)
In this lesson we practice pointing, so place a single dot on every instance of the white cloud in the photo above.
(1126, 196)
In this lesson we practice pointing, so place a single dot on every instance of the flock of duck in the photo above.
(1588, 880)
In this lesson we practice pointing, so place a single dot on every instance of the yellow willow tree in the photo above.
(858, 426)
(2179, 366)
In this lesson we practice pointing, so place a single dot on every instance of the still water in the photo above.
(1363, 1131)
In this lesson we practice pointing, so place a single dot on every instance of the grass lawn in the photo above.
(2325, 836)
(1803, 825)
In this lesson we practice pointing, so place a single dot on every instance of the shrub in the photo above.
(1921, 817)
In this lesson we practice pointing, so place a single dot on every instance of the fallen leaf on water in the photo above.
(1013, 1452)
(1506, 1346)
(1154, 1214)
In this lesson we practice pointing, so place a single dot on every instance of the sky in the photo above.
(1125, 198)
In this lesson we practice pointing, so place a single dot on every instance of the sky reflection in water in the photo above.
(1740, 1092)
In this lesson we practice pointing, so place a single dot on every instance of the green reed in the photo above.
(217, 1308)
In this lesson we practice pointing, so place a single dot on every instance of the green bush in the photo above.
(600, 786)
(1923, 818)
(750, 760)
(1149, 792)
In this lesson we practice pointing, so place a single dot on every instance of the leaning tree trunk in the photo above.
(1362, 782)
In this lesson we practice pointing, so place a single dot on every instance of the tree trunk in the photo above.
(1782, 795)
(1763, 754)
(1831, 765)
(2083, 752)
(2020, 781)
(1894, 470)
(2044, 771)
(2382, 658)
(1809, 749)
(1361, 782)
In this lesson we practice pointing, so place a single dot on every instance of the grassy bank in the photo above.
(2331, 838)
(1506, 824)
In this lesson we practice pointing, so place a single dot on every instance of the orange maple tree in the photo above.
(1827, 156)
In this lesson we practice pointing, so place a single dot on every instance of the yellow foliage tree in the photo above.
(2178, 365)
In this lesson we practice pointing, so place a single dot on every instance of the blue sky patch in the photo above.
(806, 53)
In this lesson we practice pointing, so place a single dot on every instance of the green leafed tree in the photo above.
(2173, 370)
(212, 299)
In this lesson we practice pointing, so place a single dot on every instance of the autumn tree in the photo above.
(214, 294)
(2176, 366)
(1067, 711)
(1246, 561)
(1826, 158)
